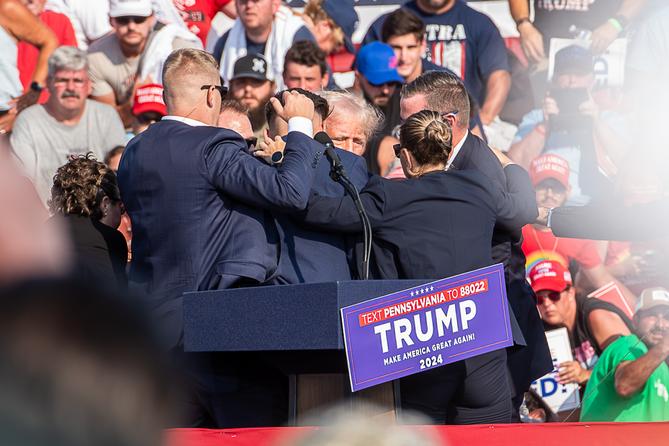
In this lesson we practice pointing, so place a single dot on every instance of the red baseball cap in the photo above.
(549, 275)
(149, 98)
(549, 166)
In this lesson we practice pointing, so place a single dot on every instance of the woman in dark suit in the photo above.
(86, 197)
(435, 224)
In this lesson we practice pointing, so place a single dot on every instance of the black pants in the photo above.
(230, 390)
(473, 391)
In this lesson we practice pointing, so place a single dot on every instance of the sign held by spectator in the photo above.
(427, 326)
(609, 67)
(559, 397)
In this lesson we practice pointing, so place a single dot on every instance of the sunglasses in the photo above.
(221, 89)
(131, 18)
(554, 296)
(251, 143)
(397, 148)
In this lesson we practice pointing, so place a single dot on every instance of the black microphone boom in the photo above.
(337, 169)
(338, 174)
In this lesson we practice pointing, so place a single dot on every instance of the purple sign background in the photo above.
(389, 337)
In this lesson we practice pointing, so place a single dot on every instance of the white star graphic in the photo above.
(258, 65)
(412, 294)
(431, 288)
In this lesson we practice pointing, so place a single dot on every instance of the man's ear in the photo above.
(324, 80)
(423, 46)
(210, 97)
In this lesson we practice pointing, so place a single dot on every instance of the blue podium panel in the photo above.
(276, 318)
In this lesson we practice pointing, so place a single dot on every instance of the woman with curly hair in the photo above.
(86, 196)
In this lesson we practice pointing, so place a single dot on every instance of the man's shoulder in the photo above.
(33, 111)
(629, 347)
(99, 108)
(103, 46)
(33, 115)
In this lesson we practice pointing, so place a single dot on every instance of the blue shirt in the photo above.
(462, 39)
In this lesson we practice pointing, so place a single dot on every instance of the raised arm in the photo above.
(238, 174)
(631, 376)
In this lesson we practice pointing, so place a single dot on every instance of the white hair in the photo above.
(67, 58)
(356, 108)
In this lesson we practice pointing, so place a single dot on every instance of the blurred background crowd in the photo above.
(574, 92)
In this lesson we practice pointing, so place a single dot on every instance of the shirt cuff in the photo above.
(302, 125)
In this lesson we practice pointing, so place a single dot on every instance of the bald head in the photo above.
(185, 71)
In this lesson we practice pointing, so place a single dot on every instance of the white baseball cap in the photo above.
(125, 8)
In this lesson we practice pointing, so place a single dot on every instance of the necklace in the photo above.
(541, 247)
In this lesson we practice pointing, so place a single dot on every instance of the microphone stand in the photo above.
(338, 174)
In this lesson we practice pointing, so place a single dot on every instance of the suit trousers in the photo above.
(232, 390)
(473, 391)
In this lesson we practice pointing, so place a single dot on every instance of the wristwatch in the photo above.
(277, 157)
(522, 20)
(36, 87)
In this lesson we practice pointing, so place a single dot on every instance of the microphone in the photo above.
(337, 170)
(338, 174)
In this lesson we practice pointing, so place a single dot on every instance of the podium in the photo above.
(296, 327)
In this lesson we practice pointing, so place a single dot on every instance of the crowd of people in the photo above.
(149, 155)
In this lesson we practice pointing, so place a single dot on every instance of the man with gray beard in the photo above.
(44, 136)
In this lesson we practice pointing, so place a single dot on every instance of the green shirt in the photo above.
(602, 403)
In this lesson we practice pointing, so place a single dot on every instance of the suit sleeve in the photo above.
(340, 214)
(516, 204)
(236, 173)
(611, 221)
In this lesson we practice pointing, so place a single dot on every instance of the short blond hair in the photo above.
(185, 63)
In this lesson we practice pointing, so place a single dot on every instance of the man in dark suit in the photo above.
(530, 358)
(195, 197)
(308, 255)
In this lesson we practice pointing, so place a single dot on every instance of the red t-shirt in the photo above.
(197, 15)
(26, 59)
(543, 245)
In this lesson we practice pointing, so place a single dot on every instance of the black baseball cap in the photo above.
(251, 65)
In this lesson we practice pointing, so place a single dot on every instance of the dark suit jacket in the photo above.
(100, 252)
(534, 361)
(424, 227)
(309, 255)
(195, 195)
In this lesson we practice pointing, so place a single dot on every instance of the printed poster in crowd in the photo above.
(609, 67)
(559, 397)
(427, 326)
(611, 293)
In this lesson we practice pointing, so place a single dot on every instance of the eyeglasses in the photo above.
(554, 296)
(251, 143)
(397, 148)
(221, 89)
(138, 20)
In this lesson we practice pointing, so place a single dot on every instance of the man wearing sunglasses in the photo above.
(631, 379)
(198, 200)
(116, 59)
(592, 324)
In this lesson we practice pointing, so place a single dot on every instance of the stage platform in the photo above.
(547, 434)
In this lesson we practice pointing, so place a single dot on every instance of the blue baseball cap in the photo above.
(343, 14)
(377, 62)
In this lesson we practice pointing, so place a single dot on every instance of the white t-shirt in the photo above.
(43, 144)
(90, 18)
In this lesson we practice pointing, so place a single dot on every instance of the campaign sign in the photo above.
(559, 397)
(426, 326)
